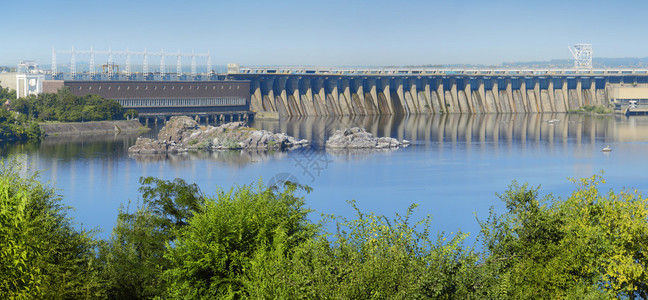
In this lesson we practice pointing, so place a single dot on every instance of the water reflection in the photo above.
(435, 132)
(232, 158)
(507, 129)
(359, 153)
(431, 130)
(75, 147)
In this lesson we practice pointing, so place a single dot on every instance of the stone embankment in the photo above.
(100, 127)
(359, 138)
(181, 134)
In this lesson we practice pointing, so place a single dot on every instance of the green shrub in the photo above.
(256, 242)
(592, 109)
(131, 114)
(41, 254)
(231, 144)
(590, 245)
(369, 257)
(133, 259)
(213, 253)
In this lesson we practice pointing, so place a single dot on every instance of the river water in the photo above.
(453, 169)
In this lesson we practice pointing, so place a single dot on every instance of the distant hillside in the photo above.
(598, 62)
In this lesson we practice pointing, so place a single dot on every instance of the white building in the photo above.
(29, 79)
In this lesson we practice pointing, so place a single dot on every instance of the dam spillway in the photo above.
(330, 94)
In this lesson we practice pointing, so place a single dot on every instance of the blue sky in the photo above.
(328, 33)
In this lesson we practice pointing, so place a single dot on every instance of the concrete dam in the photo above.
(349, 93)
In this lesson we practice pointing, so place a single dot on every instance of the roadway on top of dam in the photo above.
(540, 72)
(245, 72)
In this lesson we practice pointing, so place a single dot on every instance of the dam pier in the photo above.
(303, 92)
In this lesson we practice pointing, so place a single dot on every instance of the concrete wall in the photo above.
(628, 91)
(100, 127)
(52, 86)
(8, 80)
(301, 95)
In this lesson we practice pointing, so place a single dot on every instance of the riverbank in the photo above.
(83, 128)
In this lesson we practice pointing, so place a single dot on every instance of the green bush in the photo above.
(213, 253)
(131, 114)
(593, 109)
(14, 126)
(369, 257)
(133, 259)
(256, 242)
(590, 245)
(41, 254)
(6, 94)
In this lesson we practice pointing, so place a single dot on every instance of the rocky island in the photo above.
(359, 138)
(181, 134)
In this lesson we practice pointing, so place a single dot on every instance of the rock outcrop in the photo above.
(359, 138)
(181, 134)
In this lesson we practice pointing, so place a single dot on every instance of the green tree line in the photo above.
(13, 126)
(64, 106)
(19, 120)
(257, 242)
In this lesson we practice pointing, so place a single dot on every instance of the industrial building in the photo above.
(166, 98)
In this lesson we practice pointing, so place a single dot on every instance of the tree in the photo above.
(66, 107)
(587, 246)
(606, 236)
(41, 254)
(5, 115)
(6, 94)
(211, 255)
(368, 257)
(133, 257)
(131, 114)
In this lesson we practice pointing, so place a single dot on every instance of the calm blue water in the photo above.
(453, 169)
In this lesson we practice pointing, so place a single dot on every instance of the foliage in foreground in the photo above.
(213, 256)
(590, 245)
(41, 254)
(257, 242)
(133, 257)
(369, 257)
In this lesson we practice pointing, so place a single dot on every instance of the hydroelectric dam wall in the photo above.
(302, 94)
